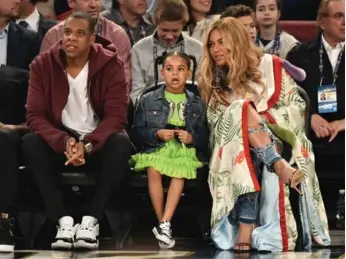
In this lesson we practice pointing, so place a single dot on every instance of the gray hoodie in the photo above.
(142, 59)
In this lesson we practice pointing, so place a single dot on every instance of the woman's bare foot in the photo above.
(244, 237)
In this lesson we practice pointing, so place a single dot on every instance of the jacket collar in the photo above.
(315, 44)
(160, 93)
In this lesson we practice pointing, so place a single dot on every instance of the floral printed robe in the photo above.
(232, 172)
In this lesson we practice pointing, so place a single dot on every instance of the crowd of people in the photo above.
(86, 71)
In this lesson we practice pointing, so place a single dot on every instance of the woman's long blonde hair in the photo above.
(243, 59)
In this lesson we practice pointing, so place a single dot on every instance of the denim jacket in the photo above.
(152, 115)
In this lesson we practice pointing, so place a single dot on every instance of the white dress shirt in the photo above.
(333, 52)
(33, 20)
(3, 45)
(78, 113)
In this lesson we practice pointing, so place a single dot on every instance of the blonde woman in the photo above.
(253, 110)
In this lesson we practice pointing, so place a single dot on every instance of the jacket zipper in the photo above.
(91, 104)
(69, 129)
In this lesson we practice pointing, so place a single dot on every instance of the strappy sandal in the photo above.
(244, 245)
(295, 179)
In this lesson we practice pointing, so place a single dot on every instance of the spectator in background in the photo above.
(62, 9)
(46, 8)
(104, 28)
(77, 118)
(245, 15)
(200, 19)
(269, 36)
(323, 59)
(18, 47)
(169, 18)
(30, 18)
(131, 16)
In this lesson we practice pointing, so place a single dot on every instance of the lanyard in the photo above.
(143, 33)
(276, 44)
(182, 49)
(335, 72)
(99, 28)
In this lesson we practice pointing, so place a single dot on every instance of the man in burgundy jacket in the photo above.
(77, 109)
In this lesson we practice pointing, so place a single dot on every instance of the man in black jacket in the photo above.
(30, 18)
(18, 47)
(324, 63)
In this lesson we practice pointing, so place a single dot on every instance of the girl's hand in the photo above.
(165, 135)
(184, 136)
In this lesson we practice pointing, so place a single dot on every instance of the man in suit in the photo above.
(323, 60)
(324, 63)
(30, 18)
(18, 47)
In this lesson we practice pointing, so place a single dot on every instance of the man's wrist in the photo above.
(88, 146)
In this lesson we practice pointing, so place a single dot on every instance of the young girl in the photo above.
(170, 131)
(200, 19)
(269, 37)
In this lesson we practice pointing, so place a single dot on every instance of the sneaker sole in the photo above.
(81, 244)
(163, 245)
(60, 244)
(7, 248)
(164, 239)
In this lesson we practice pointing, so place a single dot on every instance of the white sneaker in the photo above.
(64, 238)
(87, 236)
(163, 234)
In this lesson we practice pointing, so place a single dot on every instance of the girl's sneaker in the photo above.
(163, 234)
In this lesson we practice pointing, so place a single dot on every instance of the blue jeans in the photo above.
(247, 207)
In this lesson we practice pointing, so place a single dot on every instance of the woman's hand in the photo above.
(337, 126)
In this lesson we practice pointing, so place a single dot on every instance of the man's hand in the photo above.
(165, 135)
(71, 147)
(337, 126)
(184, 136)
(77, 157)
(10, 127)
(71, 151)
(320, 126)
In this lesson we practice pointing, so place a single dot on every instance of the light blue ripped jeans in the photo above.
(247, 205)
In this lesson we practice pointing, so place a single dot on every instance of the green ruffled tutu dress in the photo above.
(173, 159)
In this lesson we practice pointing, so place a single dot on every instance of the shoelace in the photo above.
(63, 230)
(87, 228)
(166, 229)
